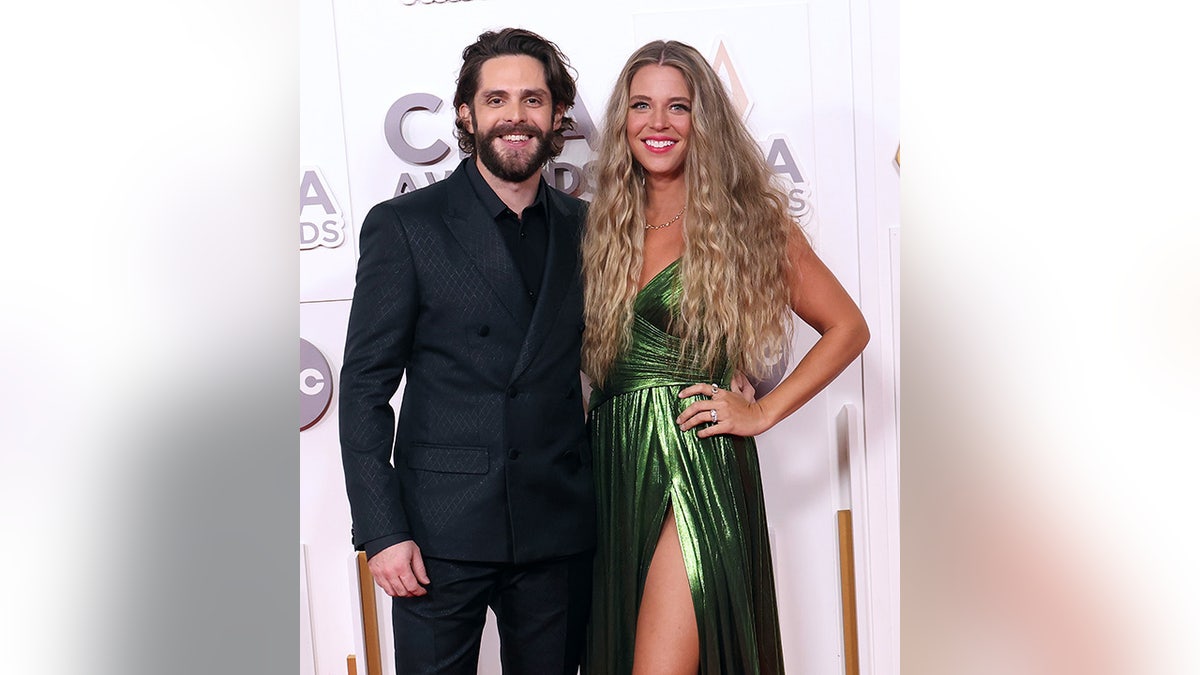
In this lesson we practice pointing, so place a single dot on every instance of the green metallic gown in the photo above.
(645, 465)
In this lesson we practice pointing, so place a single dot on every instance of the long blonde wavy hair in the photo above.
(734, 269)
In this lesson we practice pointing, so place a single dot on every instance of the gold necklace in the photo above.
(668, 223)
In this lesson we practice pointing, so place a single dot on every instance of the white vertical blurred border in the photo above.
(1051, 305)
(148, 469)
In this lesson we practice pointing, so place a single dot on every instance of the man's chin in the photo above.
(514, 166)
(511, 171)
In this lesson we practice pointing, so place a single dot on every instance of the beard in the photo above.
(513, 167)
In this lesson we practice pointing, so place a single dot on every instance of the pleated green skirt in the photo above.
(643, 466)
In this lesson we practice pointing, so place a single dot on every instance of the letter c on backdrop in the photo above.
(316, 384)
(393, 129)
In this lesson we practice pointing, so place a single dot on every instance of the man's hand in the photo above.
(741, 385)
(399, 570)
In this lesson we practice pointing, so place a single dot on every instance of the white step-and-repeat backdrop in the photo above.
(377, 79)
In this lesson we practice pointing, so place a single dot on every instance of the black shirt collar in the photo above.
(491, 202)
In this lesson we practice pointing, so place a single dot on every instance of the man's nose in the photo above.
(516, 111)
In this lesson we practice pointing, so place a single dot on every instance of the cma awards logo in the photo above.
(572, 178)
(321, 221)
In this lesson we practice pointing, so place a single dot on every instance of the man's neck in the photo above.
(516, 196)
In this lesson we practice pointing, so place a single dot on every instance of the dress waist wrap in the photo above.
(652, 361)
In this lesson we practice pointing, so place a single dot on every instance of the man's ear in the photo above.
(559, 111)
(464, 114)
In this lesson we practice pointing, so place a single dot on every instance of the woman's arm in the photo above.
(821, 302)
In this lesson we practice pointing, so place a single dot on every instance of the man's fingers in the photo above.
(385, 584)
(418, 565)
(410, 586)
(413, 575)
(400, 586)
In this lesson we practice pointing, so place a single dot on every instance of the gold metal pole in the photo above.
(370, 619)
(849, 599)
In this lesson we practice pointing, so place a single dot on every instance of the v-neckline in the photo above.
(654, 278)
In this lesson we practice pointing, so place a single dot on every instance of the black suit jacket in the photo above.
(490, 455)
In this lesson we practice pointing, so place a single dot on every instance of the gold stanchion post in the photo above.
(370, 619)
(849, 599)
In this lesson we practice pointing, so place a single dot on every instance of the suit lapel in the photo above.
(560, 276)
(476, 232)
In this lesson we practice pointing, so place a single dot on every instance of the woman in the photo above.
(691, 264)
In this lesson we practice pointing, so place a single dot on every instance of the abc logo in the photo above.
(316, 384)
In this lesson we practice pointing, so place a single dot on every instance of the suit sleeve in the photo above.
(378, 343)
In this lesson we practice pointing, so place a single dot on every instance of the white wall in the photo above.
(819, 79)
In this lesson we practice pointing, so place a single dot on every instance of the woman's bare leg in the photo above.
(667, 642)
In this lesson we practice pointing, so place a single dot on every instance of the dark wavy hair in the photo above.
(515, 42)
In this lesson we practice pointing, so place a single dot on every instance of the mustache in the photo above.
(506, 129)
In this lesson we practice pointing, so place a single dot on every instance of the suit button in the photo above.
(484, 330)
(513, 453)
(512, 392)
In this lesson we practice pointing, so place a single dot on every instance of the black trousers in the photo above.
(541, 612)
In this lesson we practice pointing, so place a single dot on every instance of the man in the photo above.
(470, 289)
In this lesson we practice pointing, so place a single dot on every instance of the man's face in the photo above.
(512, 117)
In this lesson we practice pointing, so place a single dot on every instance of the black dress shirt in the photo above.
(526, 235)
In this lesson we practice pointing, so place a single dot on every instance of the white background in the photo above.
(815, 77)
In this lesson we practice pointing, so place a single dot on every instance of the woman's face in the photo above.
(659, 120)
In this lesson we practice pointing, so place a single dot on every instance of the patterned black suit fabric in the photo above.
(490, 453)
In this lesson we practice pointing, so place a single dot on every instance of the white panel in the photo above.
(383, 615)
(324, 510)
(308, 653)
(326, 273)
(876, 119)
(489, 649)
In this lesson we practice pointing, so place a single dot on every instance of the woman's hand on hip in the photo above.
(722, 412)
